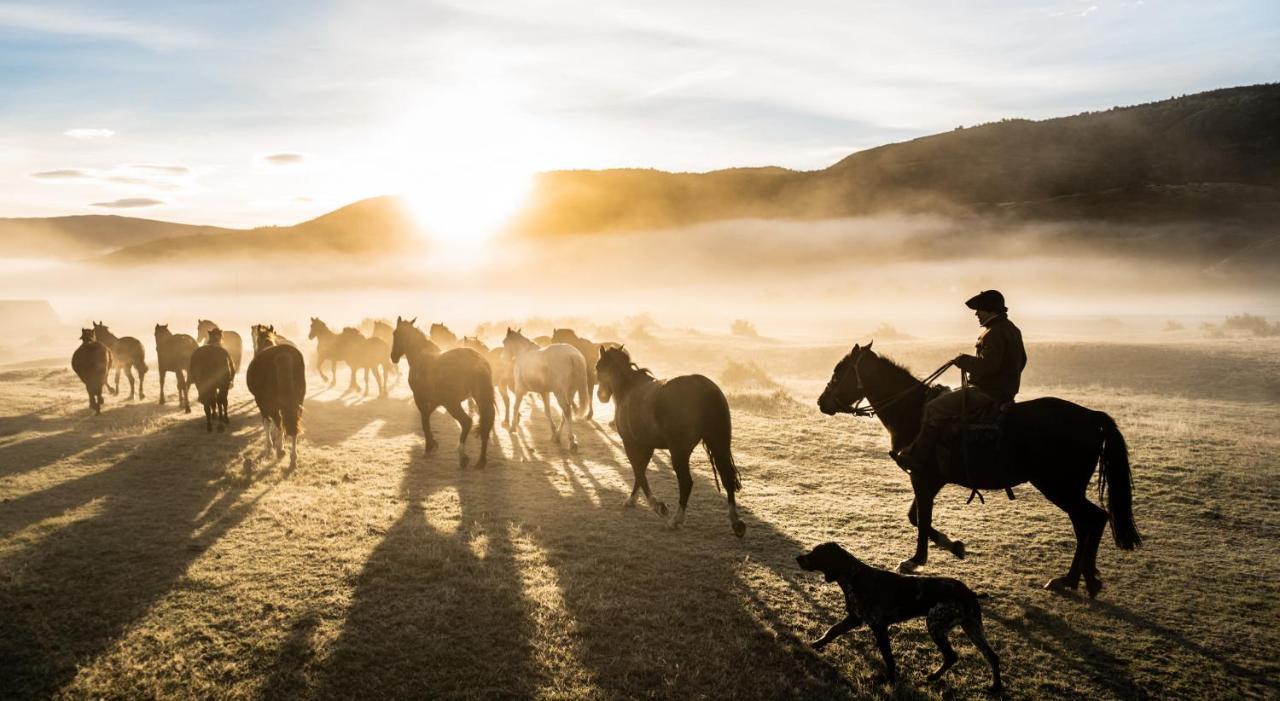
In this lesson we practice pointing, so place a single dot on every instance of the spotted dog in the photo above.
(880, 598)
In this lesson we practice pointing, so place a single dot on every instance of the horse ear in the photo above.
(413, 321)
(856, 348)
(869, 345)
(601, 351)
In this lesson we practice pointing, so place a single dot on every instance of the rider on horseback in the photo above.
(994, 375)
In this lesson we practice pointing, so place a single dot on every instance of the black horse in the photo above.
(1051, 443)
(677, 415)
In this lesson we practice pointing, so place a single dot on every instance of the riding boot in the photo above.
(920, 452)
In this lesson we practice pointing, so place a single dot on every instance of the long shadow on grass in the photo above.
(69, 595)
(437, 610)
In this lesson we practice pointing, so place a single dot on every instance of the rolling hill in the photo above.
(1208, 163)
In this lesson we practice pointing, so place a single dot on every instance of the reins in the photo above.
(874, 408)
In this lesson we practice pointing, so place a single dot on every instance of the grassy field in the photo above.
(141, 557)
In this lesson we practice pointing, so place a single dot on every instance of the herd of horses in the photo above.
(1053, 444)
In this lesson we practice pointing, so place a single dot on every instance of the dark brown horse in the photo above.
(127, 355)
(675, 415)
(1052, 443)
(92, 361)
(230, 340)
(212, 371)
(446, 379)
(173, 354)
(277, 378)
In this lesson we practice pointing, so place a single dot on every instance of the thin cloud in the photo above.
(80, 23)
(129, 203)
(284, 158)
(89, 134)
(165, 169)
(60, 174)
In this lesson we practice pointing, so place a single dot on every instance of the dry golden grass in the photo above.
(141, 557)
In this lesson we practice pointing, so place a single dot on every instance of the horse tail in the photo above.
(1115, 485)
(717, 434)
(290, 408)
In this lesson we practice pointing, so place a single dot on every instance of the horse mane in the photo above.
(895, 366)
(631, 364)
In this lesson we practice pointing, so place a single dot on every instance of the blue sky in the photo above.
(364, 98)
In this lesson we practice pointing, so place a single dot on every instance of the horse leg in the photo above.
(162, 374)
(680, 463)
(566, 410)
(464, 423)
(426, 412)
(639, 459)
(1089, 522)
(514, 409)
(208, 415)
(925, 493)
(142, 373)
(184, 394)
(955, 547)
(546, 405)
(115, 391)
(589, 401)
(128, 373)
(267, 429)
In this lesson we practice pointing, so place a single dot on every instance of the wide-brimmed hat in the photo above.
(987, 301)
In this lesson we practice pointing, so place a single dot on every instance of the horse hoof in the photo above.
(463, 462)
(1093, 586)
(1061, 584)
(739, 528)
(573, 447)
(673, 523)
(280, 454)
(661, 508)
(957, 549)
(431, 448)
(628, 503)
(908, 566)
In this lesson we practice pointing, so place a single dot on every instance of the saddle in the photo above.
(965, 447)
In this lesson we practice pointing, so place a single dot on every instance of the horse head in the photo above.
(317, 327)
(263, 337)
(844, 390)
(88, 335)
(162, 331)
(213, 337)
(402, 337)
(515, 343)
(612, 370)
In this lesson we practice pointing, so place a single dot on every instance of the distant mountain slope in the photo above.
(376, 225)
(1208, 162)
(1212, 154)
(87, 234)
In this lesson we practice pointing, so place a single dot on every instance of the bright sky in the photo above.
(249, 112)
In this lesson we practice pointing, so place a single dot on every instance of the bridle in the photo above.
(874, 408)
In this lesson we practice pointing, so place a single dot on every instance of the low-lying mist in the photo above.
(831, 280)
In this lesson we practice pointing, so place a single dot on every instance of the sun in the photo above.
(467, 168)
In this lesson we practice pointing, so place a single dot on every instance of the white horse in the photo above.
(558, 369)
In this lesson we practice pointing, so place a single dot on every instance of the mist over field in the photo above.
(830, 280)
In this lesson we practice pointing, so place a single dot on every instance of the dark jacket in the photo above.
(997, 368)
